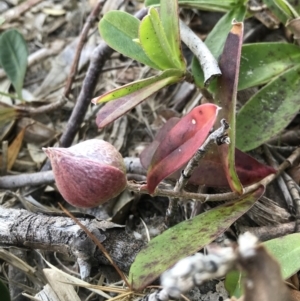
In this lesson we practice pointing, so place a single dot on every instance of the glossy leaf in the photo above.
(119, 29)
(226, 98)
(210, 171)
(129, 96)
(155, 43)
(185, 239)
(210, 5)
(169, 16)
(4, 292)
(181, 143)
(216, 39)
(269, 111)
(13, 58)
(262, 62)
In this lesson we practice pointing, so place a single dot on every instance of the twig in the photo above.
(96, 242)
(207, 61)
(16, 12)
(61, 234)
(292, 159)
(46, 177)
(217, 136)
(90, 20)
(99, 57)
(53, 106)
(294, 190)
(27, 179)
(265, 233)
(283, 186)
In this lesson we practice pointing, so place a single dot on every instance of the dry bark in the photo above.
(21, 228)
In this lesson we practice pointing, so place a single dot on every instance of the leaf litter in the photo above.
(48, 23)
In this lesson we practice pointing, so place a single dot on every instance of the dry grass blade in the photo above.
(97, 243)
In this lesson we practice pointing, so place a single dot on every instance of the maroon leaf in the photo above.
(181, 143)
(210, 171)
(226, 98)
(125, 98)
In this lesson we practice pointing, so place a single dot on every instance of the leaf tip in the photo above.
(94, 100)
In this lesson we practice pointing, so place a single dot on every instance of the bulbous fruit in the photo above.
(89, 173)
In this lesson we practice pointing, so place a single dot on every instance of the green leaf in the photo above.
(226, 99)
(283, 10)
(216, 39)
(13, 58)
(262, 62)
(129, 96)
(4, 293)
(155, 43)
(233, 283)
(169, 16)
(287, 8)
(210, 5)
(269, 111)
(287, 251)
(276, 10)
(119, 29)
(185, 239)
(138, 85)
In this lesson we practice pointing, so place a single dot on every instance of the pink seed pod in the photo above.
(89, 173)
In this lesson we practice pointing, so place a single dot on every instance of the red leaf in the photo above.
(210, 171)
(181, 143)
(123, 99)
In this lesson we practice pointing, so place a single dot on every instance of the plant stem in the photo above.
(207, 61)
(219, 136)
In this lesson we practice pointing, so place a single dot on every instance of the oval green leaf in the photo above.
(287, 251)
(169, 16)
(210, 5)
(185, 239)
(262, 62)
(129, 96)
(155, 43)
(13, 58)
(119, 29)
(269, 111)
